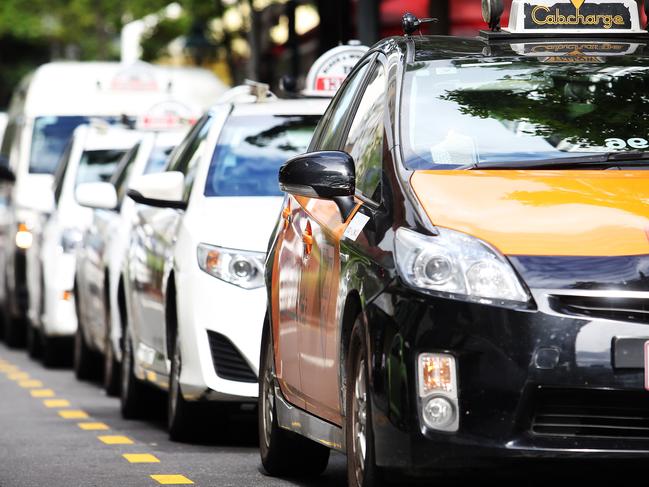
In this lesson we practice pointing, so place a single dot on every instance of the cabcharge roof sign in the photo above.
(575, 16)
(330, 70)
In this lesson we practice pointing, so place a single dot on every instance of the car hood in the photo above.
(243, 223)
(542, 213)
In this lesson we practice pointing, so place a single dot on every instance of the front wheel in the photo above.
(132, 394)
(361, 464)
(111, 380)
(283, 453)
(34, 342)
(179, 411)
(84, 358)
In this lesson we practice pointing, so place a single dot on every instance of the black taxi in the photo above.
(460, 272)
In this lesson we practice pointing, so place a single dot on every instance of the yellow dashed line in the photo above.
(28, 384)
(171, 479)
(140, 458)
(9, 369)
(56, 403)
(73, 414)
(42, 393)
(115, 440)
(93, 426)
(18, 376)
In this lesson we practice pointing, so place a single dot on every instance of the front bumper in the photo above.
(220, 328)
(532, 383)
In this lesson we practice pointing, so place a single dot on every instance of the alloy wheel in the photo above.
(268, 400)
(359, 415)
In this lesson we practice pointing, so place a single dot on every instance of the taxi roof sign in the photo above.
(551, 17)
(330, 70)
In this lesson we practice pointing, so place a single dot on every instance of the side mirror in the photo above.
(162, 190)
(327, 175)
(97, 195)
(6, 174)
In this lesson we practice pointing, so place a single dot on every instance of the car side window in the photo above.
(189, 153)
(332, 126)
(365, 138)
(121, 176)
(59, 176)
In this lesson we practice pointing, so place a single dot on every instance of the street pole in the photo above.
(441, 10)
(369, 21)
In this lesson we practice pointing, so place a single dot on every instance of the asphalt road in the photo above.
(58, 432)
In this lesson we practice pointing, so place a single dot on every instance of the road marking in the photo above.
(115, 440)
(93, 426)
(140, 458)
(171, 479)
(56, 403)
(42, 393)
(18, 376)
(73, 414)
(28, 384)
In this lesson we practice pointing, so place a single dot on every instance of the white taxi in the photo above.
(101, 256)
(194, 298)
(92, 155)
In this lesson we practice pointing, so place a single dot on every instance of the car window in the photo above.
(121, 176)
(365, 138)
(250, 151)
(330, 130)
(186, 159)
(97, 165)
(59, 177)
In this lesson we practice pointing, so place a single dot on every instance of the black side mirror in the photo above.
(6, 174)
(327, 175)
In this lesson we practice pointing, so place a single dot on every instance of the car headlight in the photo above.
(457, 265)
(239, 267)
(24, 237)
(71, 240)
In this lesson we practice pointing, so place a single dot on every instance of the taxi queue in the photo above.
(453, 273)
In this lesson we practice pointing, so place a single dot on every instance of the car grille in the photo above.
(228, 361)
(591, 413)
(620, 309)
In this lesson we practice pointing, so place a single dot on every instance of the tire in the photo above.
(15, 332)
(85, 360)
(132, 390)
(34, 342)
(361, 463)
(283, 453)
(180, 423)
(111, 377)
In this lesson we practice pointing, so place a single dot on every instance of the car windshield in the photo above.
(51, 135)
(472, 112)
(250, 151)
(98, 165)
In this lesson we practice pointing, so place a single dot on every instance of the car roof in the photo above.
(106, 138)
(298, 106)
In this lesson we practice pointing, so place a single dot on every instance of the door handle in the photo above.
(307, 239)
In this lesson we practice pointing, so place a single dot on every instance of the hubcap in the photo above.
(359, 418)
(268, 397)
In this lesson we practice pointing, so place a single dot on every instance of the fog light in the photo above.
(24, 238)
(439, 413)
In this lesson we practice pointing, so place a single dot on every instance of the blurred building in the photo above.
(285, 36)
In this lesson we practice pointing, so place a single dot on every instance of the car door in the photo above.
(151, 254)
(290, 257)
(324, 229)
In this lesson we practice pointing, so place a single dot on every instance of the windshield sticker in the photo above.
(578, 14)
(634, 143)
(356, 226)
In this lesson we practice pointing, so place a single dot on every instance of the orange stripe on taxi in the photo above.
(562, 213)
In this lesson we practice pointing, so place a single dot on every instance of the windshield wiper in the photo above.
(597, 161)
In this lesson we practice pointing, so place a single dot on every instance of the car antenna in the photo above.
(411, 23)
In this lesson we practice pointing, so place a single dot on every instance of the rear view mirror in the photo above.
(326, 175)
(162, 190)
(97, 195)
